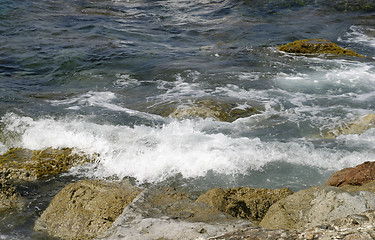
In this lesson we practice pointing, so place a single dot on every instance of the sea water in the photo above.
(90, 74)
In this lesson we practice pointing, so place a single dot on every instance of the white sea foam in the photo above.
(156, 153)
(126, 80)
(99, 99)
(358, 34)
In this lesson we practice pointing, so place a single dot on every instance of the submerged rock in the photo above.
(318, 206)
(244, 202)
(357, 126)
(9, 196)
(25, 164)
(204, 108)
(85, 209)
(356, 176)
(164, 213)
(316, 46)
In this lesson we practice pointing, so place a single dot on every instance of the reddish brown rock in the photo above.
(356, 176)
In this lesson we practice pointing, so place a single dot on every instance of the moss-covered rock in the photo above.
(25, 164)
(9, 196)
(244, 202)
(357, 126)
(85, 209)
(317, 46)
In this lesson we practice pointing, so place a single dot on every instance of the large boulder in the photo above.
(319, 206)
(316, 46)
(357, 126)
(25, 164)
(244, 202)
(9, 196)
(85, 209)
(356, 176)
(165, 213)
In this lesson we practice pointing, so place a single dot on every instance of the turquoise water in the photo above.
(92, 75)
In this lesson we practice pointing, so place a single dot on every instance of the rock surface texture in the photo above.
(356, 176)
(85, 209)
(165, 213)
(318, 206)
(244, 202)
(316, 46)
(354, 227)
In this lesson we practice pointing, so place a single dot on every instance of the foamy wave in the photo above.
(153, 154)
(99, 99)
(362, 35)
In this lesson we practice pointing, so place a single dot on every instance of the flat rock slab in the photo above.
(357, 226)
(167, 214)
(319, 205)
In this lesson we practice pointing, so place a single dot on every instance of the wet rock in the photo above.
(356, 176)
(204, 108)
(319, 205)
(244, 202)
(164, 213)
(9, 197)
(25, 164)
(85, 209)
(357, 126)
(316, 46)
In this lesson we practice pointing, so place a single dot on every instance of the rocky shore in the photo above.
(97, 209)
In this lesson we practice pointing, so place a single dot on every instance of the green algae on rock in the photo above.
(25, 164)
(9, 196)
(244, 202)
(317, 46)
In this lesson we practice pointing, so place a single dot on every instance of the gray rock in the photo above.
(317, 206)
(357, 226)
(168, 214)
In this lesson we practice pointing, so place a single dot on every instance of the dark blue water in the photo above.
(98, 75)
